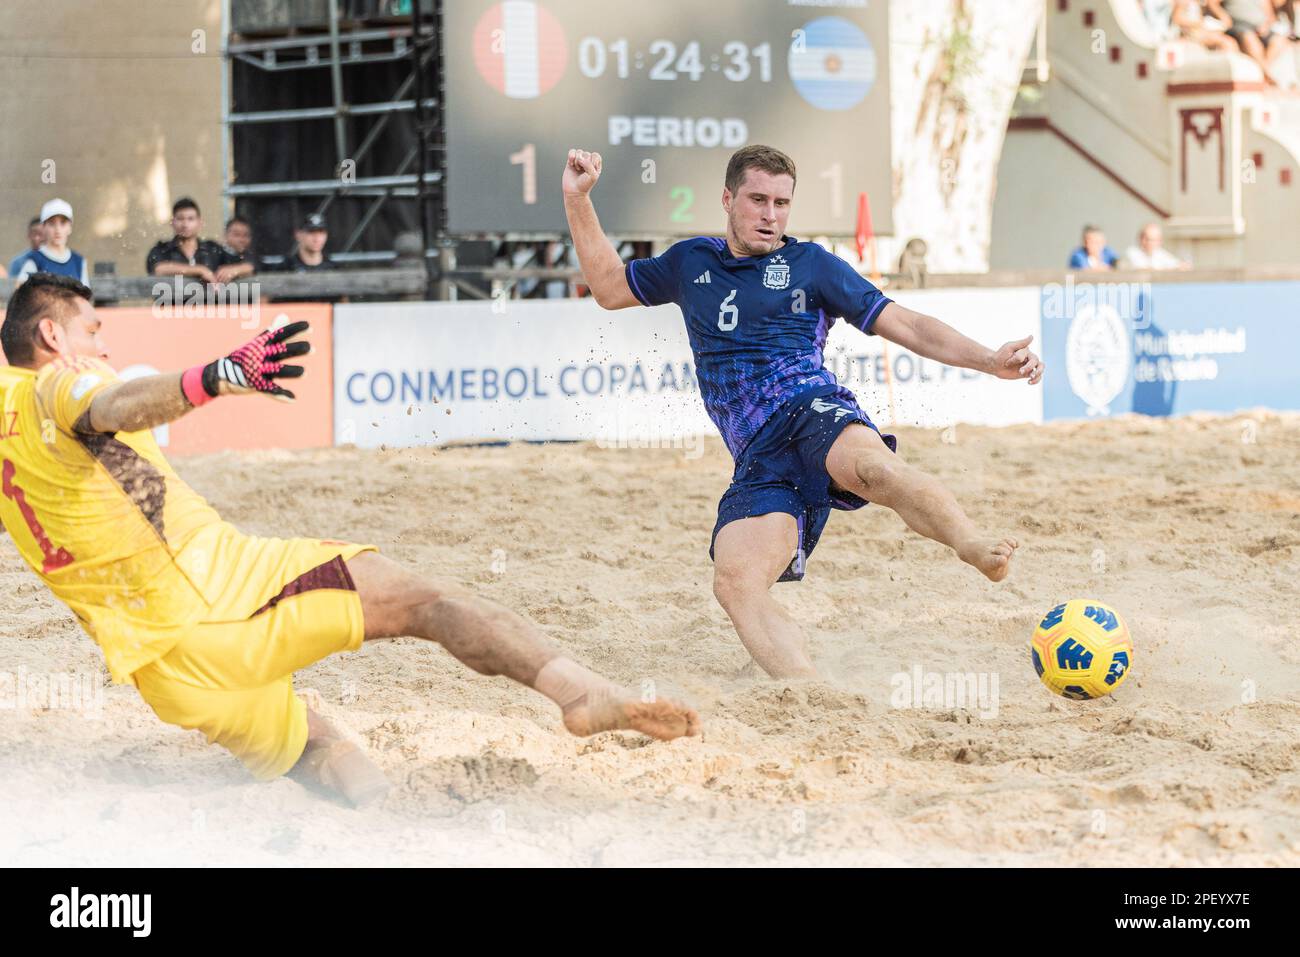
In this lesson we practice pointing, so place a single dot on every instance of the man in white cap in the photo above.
(54, 255)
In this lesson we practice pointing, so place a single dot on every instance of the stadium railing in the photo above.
(410, 284)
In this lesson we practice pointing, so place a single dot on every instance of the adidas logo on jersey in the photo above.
(704, 277)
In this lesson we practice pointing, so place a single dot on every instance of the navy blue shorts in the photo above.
(783, 469)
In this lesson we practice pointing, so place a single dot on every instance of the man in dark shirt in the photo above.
(238, 241)
(310, 256)
(187, 255)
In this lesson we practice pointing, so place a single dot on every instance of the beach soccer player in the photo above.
(758, 305)
(208, 623)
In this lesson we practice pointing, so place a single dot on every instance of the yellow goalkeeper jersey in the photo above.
(102, 518)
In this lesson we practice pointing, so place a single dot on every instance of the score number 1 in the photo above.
(527, 158)
(683, 196)
(834, 174)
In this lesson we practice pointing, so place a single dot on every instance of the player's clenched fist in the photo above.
(253, 367)
(581, 172)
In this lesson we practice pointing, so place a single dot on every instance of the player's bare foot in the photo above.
(615, 710)
(343, 767)
(336, 763)
(992, 558)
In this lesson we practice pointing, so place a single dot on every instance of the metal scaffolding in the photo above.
(261, 36)
(320, 54)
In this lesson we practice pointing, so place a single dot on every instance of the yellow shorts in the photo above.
(283, 604)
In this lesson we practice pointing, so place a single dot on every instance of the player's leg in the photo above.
(861, 463)
(493, 640)
(260, 719)
(749, 555)
(336, 763)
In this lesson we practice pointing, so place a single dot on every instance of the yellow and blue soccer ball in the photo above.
(1082, 649)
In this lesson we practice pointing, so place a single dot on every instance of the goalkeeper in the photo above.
(208, 623)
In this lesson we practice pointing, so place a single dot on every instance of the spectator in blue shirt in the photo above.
(1094, 253)
(55, 255)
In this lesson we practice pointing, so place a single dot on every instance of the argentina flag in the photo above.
(832, 63)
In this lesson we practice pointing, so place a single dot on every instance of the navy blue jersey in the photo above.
(757, 324)
(38, 260)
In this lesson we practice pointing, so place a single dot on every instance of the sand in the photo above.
(1190, 527)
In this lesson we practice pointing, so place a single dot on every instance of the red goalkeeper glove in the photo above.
(253, 367)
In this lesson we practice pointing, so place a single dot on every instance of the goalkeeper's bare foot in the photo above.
(346, 769)
(614, 709)
(591, 703)
(337, 764)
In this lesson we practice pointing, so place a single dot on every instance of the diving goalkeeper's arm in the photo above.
(254, 368)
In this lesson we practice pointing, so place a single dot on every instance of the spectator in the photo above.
(1287, 19)
(1287, 27)
(1094, 253)
(54, 256)
(238, 240)
(35, 236)
(1150, 252)
(1250, 23)
(309, 255)
(1159, 14)
(187, 255)
(1190, 19)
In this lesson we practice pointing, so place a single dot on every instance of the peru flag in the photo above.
(519, 49)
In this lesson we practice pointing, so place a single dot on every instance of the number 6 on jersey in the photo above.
(728, 315)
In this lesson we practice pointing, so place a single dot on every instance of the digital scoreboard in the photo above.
(665, 91)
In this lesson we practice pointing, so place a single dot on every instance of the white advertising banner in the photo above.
(930, 394)
(433, 373)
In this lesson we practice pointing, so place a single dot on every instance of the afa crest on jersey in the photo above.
(777, 275)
